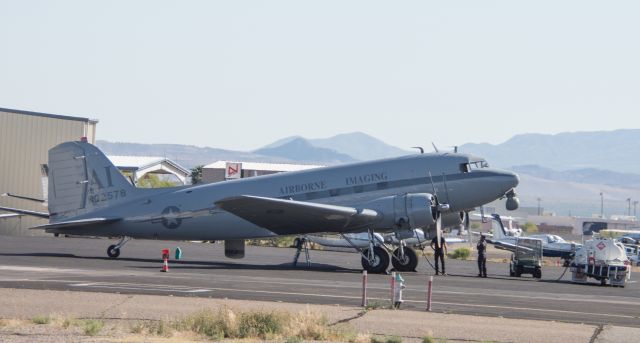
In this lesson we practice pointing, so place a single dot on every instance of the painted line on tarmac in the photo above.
(142, 287)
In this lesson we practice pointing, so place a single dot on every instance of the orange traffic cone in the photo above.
(165, 259)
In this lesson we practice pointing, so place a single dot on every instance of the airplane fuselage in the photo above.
(189, 213)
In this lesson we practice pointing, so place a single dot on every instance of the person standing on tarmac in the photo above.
(482, 257)
(439, 251)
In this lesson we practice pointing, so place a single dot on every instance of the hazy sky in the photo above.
(240, 74)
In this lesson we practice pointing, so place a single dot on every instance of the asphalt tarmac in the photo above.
(80, 264)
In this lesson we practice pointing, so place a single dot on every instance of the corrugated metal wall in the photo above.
(25, 140)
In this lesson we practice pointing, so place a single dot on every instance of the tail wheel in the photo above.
(113, 251)
(380, 261)
(408, 263)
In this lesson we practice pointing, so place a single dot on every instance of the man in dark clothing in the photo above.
(482, 257)
(439, 251)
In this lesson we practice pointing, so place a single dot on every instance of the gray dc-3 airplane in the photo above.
(87, 195)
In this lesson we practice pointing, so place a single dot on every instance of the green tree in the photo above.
(154, 181)
(530, 227)
(196, 175)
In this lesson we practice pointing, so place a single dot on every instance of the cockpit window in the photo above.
(467, 167)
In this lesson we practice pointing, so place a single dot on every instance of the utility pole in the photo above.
(601, 205)
(629, 208)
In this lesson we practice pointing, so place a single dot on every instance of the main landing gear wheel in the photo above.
(113, 251)
(408, 263)
(380, 261)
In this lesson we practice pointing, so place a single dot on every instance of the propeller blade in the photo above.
(438, 230)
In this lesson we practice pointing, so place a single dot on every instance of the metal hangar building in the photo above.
(25, 139)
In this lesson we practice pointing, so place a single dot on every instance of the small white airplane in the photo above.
(552, 245)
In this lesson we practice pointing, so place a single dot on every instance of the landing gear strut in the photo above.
(113, 251)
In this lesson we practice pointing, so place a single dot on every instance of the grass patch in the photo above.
(264, 325)
(68, 322)
(427, 339)
(92, 327)
(374, 305)
(461, 254)
(40, 320)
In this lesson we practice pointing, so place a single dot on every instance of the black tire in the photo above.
(381, 261)
(603, 282)
(511, 273)
(537, 273)
(113, 251)
(408, 264)
(518, 271)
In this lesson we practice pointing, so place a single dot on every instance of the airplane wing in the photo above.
(76, 224)
(25, 212)
(286, 217)
(502, 245)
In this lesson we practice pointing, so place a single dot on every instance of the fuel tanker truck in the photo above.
(602, 259)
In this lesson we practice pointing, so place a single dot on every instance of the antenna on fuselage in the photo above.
(419, 148)
(434, 147)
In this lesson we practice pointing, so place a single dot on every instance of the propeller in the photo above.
(438, 229)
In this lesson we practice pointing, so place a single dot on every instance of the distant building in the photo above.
(224, 170)
(139, 166)
(25, 139)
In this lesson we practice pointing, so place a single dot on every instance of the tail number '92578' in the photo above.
(106, 196)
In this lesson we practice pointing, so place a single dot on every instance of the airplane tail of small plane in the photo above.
(83, 180)
(497, 229)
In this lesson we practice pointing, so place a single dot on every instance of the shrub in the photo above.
(260, 324)
(461, 253)
(41, 320)
(92, 327)
(530, 227)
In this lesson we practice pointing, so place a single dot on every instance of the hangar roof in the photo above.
(142, 162)
(47, 115)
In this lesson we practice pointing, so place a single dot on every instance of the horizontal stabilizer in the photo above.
(25, 212)
(286, 217)
(76, 224)
(9, 215)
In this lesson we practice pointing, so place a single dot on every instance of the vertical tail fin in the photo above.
(83, 180)
(497, 229)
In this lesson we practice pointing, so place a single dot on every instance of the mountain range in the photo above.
(609, 150)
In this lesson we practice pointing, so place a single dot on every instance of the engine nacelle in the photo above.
(512, 203)
(453, 219)
(405, 212)
(234, 248)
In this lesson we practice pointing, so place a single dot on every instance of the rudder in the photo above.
(83, 180)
